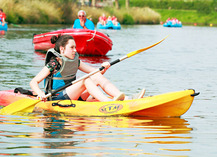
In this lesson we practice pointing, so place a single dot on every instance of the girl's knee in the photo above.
(98, 77)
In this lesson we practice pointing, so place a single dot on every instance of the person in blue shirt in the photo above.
(82, 22)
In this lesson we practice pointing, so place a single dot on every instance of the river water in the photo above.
(186, 59)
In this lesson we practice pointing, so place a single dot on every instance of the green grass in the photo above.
(189, 16)
(50, 12)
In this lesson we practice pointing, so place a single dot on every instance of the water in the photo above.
(186, 59)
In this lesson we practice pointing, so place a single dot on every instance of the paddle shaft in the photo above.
(101, 68)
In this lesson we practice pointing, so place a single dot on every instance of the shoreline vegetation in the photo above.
(138, 12)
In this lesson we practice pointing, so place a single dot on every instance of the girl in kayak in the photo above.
(61, 65)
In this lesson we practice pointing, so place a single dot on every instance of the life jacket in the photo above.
(2, 15)
(65, 75)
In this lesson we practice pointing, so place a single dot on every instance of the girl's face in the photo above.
(69, 50)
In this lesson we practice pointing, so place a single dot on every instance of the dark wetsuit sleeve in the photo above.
(53, 65)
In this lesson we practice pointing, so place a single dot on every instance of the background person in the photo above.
(2, 17)
(103, 19)
(114, 20)
(82, 22)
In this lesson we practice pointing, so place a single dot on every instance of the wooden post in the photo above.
(93, 3)
(116, 4)
(127, 3)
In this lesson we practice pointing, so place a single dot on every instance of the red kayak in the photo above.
(88, 42)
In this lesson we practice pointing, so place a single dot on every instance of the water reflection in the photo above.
(2, 34)
(55, 134)
(40, 55)
(159, 70)
(94, 59)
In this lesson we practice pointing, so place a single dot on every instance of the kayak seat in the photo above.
(23, 91)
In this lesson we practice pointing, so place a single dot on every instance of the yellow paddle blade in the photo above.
(23, 105)
(146, 48)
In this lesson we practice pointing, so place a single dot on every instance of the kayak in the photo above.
(170, 24)
(173, 104)
(88, 42)
(109, 25)
(3, 28)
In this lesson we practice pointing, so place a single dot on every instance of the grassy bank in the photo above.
(200, 12)
(25, 12)
(65, 12)
(189, 17)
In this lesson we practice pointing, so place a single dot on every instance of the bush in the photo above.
(128, 19)
(12, 18)
(204, 8)
(201, 6)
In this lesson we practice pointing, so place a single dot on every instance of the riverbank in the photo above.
(65, 12)
(57, 12)
(189, 17)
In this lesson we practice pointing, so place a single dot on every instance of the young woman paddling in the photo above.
(61, 65)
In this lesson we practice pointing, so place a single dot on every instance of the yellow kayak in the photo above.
(173, 104)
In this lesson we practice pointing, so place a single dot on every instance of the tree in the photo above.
(94, 3)
(127, 3)
(116, 4)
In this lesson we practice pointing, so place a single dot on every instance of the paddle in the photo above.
(27, 104)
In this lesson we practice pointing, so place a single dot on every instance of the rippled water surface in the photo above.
(186, 59)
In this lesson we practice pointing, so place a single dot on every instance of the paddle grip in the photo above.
(101, 68)
(114, 62)
(111, 63)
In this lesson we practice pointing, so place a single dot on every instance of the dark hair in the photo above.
(60, 40)
(1, 9)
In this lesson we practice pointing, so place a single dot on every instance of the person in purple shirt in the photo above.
(82, 22)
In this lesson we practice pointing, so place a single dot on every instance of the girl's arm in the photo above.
(34, 83)
(87, 69)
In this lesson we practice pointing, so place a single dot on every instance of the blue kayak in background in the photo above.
(170, 24)
(3, 28)
(109, 25)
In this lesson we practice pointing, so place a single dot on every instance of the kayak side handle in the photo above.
(60, 105)
(195, 94)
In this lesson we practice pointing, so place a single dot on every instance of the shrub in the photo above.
(128, 19)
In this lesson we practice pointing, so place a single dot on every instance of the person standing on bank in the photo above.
(61, 65)
(82, 22)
